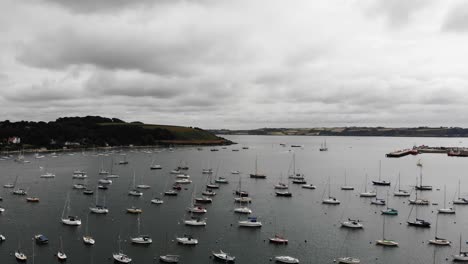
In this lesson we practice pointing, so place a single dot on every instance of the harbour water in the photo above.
(313, 229)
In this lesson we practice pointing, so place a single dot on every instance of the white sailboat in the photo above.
(462, 256)
(194, 221)
(169, 258)
(330, 200)
(61, 253)
(250, 222)
(352, 224)
(69, 220)
(460, 200)
(134, 191)
(187, 240)
(120, 257)
(323, 146)
(348, 260)
(223, 256)
(19, 255)
(141, 239)
(242, 209)
(366, 193)
(385, 242)
(295, 175)
(416, 200)
(98, 208)
(438, 241)
(401, 192)
(346, 187)
(87, 239)
(422, 187)
(446, 210)
(286, 259)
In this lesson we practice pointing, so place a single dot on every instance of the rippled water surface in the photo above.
(313, 229)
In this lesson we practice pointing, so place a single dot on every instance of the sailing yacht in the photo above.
(120, 257)
(69, 220)
(380, 181)
(241, 199)
(446, 210)
(418, 201)
(389, 210)
(323, 146)
(124, 161)
(352, 224)
(257, 175)
(401, 192)
(346, 187)
(79, 174)
(250, 222)
(330, 200)
(438, 241)
(141, 239)
(20, 256)
(221, 255)
(187, 240)
(366, 193)
(295, 175)
(460, 200)
(169, 258)
(348, 260)
(462, 256)
(385, 242)
(61, 254)
(87, 239)
(194, 221)
(286, 259)
(99, 209)
(422, 187)
(417, 222)
(134, 191)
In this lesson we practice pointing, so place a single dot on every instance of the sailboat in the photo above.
(295, 175)
(257, 175)
(281, 185)
(323, 146)
(278, 238)
(187, 240)
(111, 174)
(19, 191)
(348, 260)
(330, 200)
(194, 221)
(69, 220)
(141, 239)
(250, 222)
(438, 240)
(11, 185)
(87, 239)
(446, 210)
(286, 259)
(47, 174)
(422, 187)
(99, 209)
(460, 200)
(418, 201)
(385, 242)
(168, 258)
(366, 193)
(124, 161)
(102, 171)
(417, 222)
(352, 224)
(120, 256)
(79, 174)
(242, 199)
(155, 166)
(223, 256)
(400, 192)
(61, 254)
(389, 210)
(134, 191)
(210, 184)
(143, 186)
(20, 256)
(380, 181)
(346, 187)
(462, 255)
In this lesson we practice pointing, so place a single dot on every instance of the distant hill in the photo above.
(354, 131)
(96, 131)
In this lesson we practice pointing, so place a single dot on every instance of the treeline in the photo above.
(89, 131)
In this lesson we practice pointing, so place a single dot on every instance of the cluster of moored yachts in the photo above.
(194, 212)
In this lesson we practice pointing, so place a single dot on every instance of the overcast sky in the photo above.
(237, 64)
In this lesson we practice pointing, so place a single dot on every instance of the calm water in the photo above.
(313, 229)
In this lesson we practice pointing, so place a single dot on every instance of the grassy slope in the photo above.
(181, 133)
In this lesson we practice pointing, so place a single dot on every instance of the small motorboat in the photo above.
(88, 240)
(121, 258)
(195, 221)
(41, 239)
(221, 255)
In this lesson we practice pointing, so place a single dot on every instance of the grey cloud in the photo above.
(397, 13)
(457, 19)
